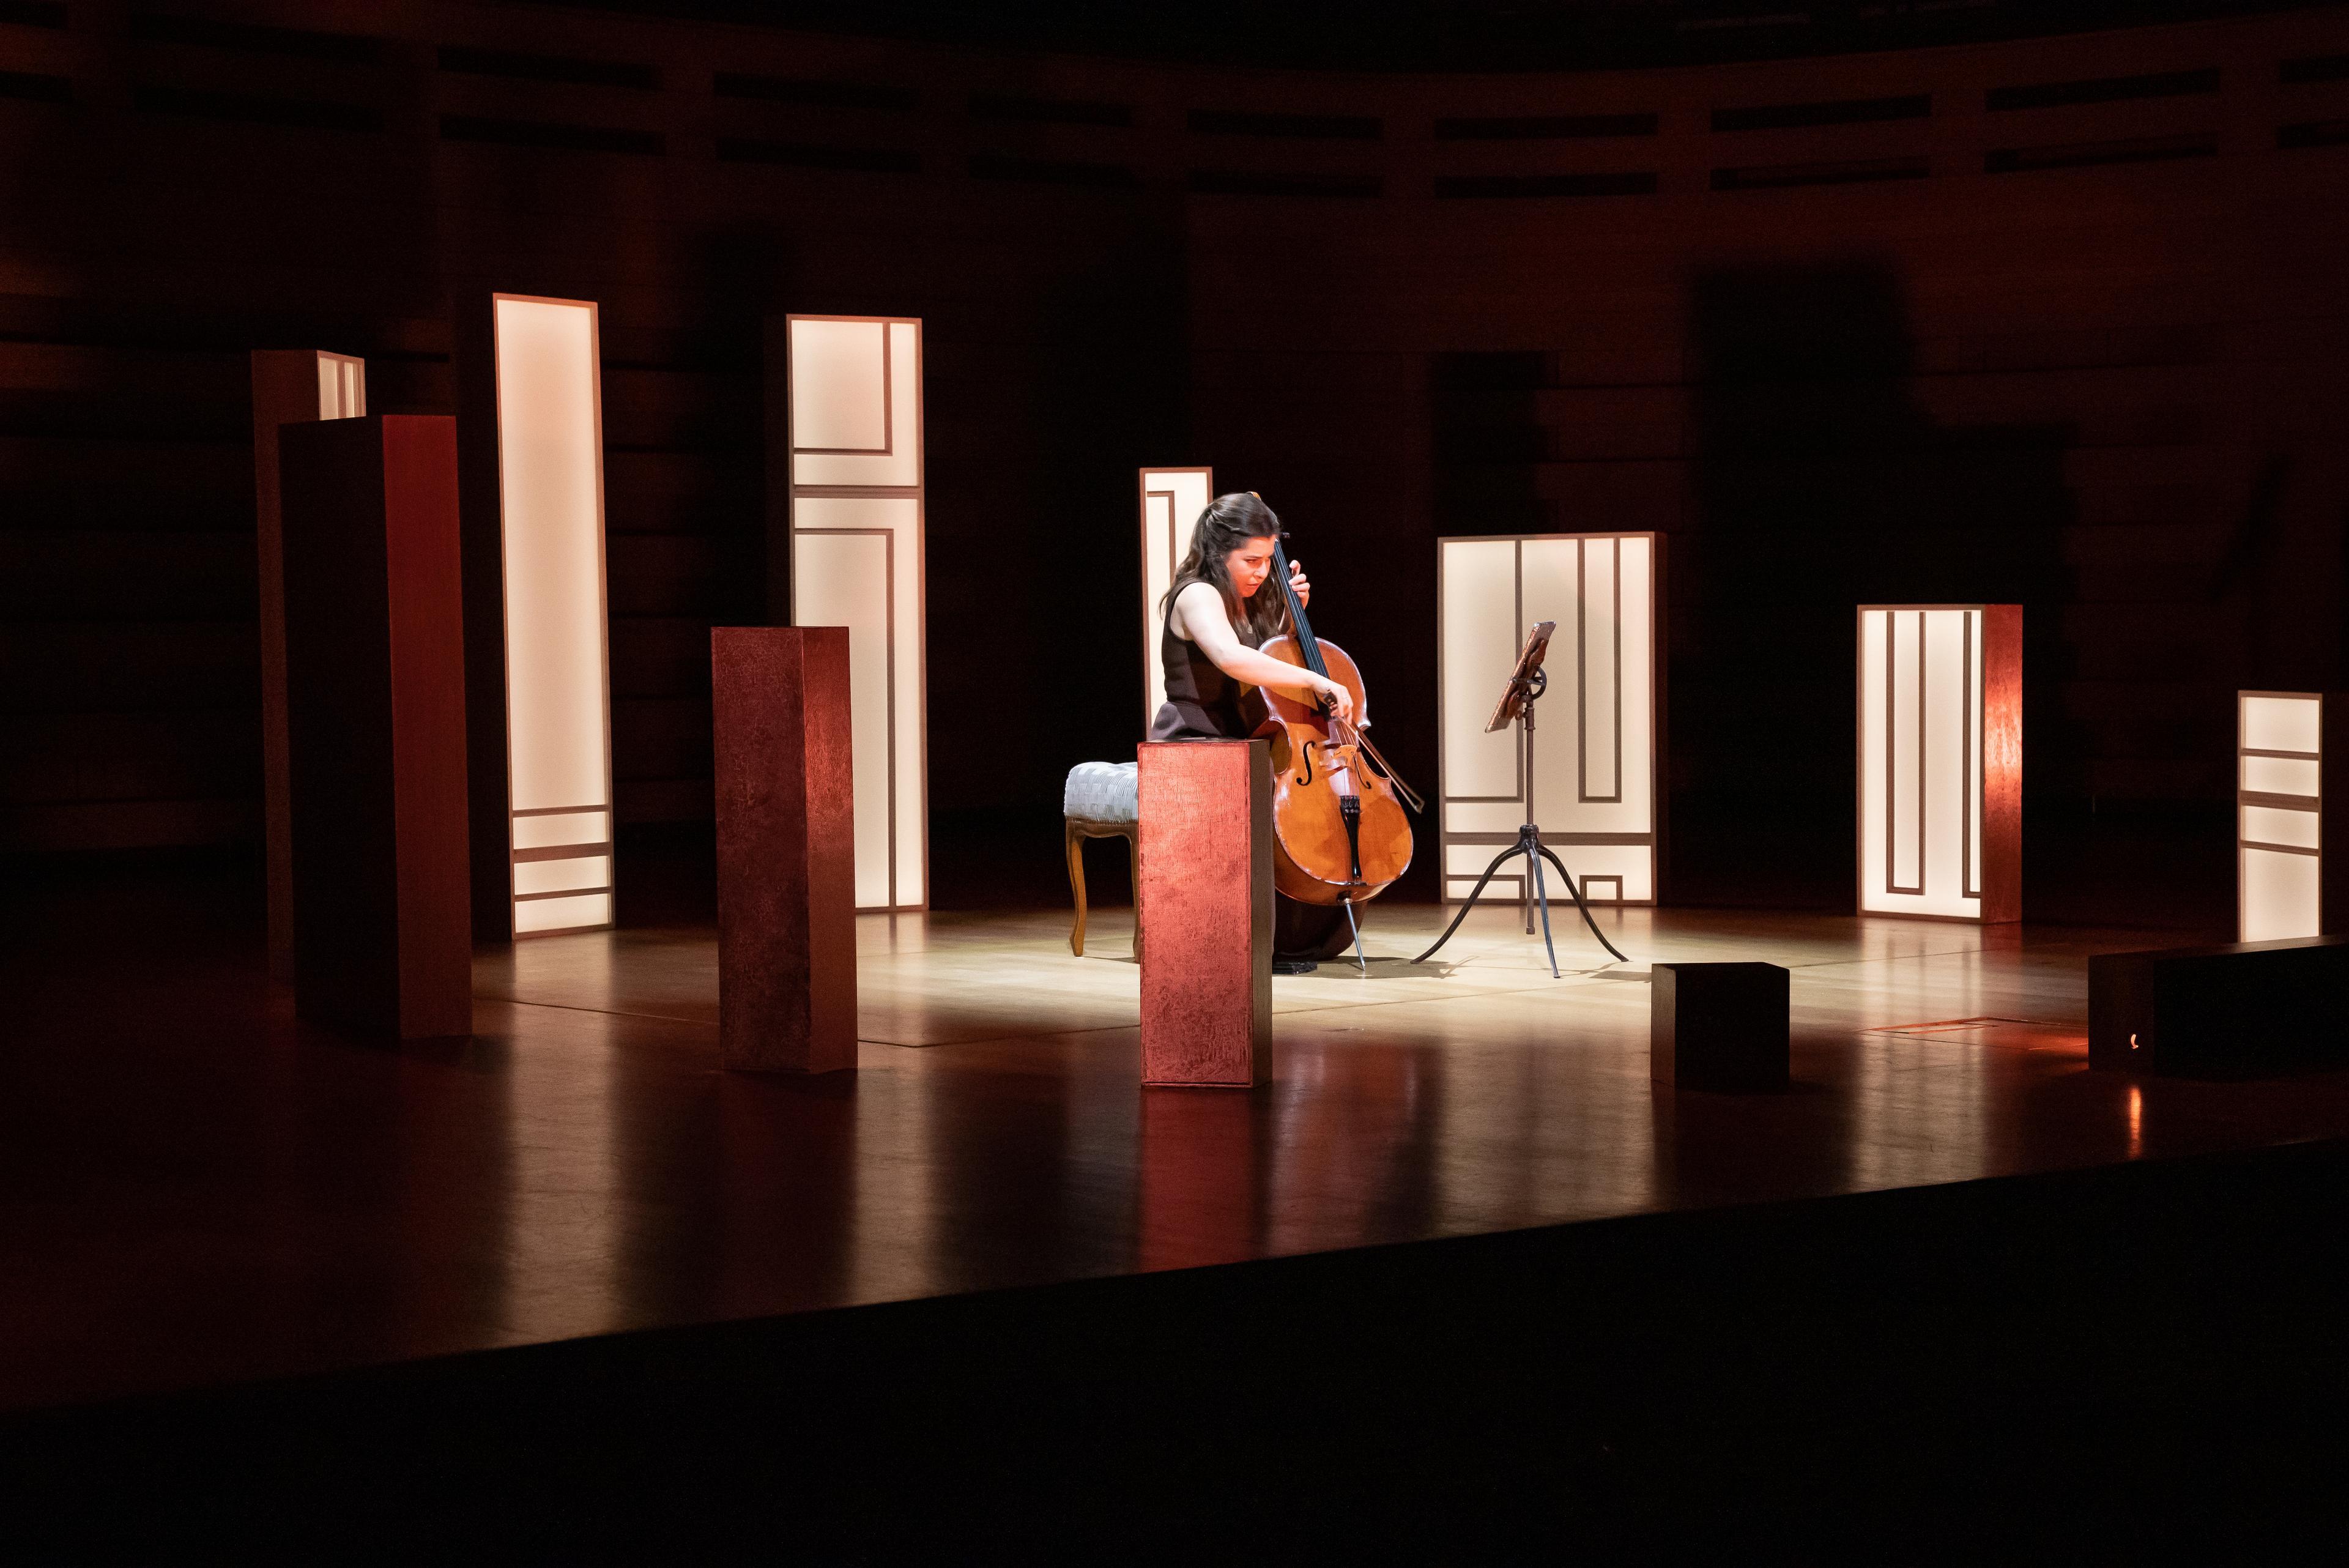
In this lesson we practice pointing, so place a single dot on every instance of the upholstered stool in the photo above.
(1102, 800)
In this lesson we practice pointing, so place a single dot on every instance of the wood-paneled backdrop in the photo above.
(2061, 322)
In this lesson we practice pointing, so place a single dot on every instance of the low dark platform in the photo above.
(1718, 1025)
(2235, 1010)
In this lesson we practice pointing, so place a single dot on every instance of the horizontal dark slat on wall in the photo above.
(27, 86)
(290, 42)
(815, 93)
(1542, 127)
(1842, 112)
(1849, 171)
(49, 827)
(649, 800)
(65, 667)
(71, 390)
(2314, 69)
(809, 155)
(111, 484)
(682, 409)
(2313, 133)
(195, 755)
(717, 577)
(1329, 127)
(672, 492)
(126, 576)
(1248, 182)
(254, 108)
(549, 134)
(1527, 185)
(2104, 89)
(547, 68)
(1049, 110)
(661, 738)
(660, 655)
(2090, 155)
(1048, 171)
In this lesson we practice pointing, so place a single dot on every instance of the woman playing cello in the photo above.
(1216, 620)
(1225, 622)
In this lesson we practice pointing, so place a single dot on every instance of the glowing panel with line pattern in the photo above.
(1941, 761)
(856, 526)
(1172, 500)
(1595, 750)
(558, 679)
(2288, 881)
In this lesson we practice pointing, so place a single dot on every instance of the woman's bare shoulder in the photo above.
(1197, 599)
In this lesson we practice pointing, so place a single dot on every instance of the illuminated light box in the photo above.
(1598, 730)
(854, 442)
(2288, 883)
(1172, 500)
(290, 386)
(1941, 761)
(536, 622)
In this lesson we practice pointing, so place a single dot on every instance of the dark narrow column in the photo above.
(1205, 902)
(376, 721)
(786, 848)
(490, 811)
(776, 387)
(290, 386)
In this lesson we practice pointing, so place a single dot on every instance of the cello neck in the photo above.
(1309, 645)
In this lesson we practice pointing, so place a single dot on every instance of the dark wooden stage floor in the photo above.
(198, 1190)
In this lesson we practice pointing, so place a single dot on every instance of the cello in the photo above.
(1340, 834)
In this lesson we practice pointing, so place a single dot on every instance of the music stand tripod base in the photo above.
(1530, 846)
(1527, 683)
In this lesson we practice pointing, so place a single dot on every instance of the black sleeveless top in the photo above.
(1203, 703)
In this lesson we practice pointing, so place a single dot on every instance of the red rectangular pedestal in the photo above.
(786, 848)
(374, 667)
(1206, 903)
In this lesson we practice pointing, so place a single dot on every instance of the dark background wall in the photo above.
(2060, 320)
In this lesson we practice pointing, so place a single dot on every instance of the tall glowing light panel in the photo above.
(1172, 500)
(557, 667)
(1941, 761)
(2288, 881)
(856, 447)
(1598, 730)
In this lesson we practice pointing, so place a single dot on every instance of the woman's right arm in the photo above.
(1200, 609)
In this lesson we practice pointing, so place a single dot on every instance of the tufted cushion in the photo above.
(1104, 792)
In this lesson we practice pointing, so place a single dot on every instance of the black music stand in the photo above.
(1527, 681)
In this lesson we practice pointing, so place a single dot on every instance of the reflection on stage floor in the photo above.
(200, 1190)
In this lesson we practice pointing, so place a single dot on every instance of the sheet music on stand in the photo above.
(1525, 681)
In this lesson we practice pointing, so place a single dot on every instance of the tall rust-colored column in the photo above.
(1207, 901)
(374, 687)
(786, 848)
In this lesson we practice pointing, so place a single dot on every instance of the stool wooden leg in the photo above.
(1133, 849)
(1076, 846)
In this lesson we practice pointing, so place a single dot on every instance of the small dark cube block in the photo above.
(2233, 1012)
(1718, 1025)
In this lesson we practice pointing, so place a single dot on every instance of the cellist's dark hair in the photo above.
(1229, 522)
